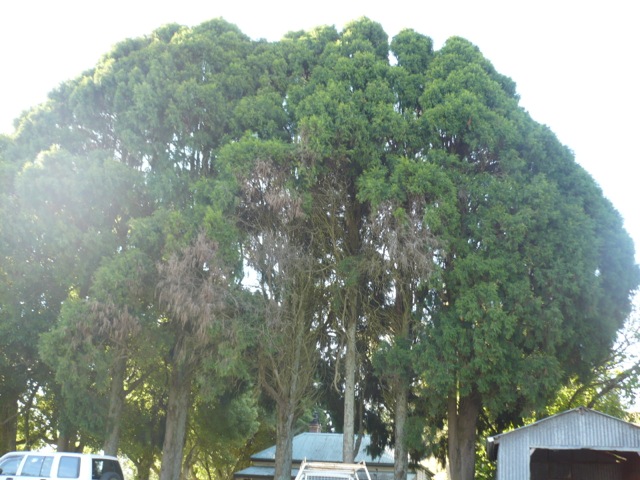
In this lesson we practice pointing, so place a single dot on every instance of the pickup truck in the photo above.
(332, 471)
(59, 465)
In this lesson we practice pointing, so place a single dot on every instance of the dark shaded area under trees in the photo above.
(206, 238)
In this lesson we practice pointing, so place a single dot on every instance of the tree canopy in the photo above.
(207, 230)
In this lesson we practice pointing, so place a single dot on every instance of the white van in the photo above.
(59, 465)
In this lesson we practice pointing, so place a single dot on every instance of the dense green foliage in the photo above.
(205, 237)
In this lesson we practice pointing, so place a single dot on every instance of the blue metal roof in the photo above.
(261, 472)
(325, 447)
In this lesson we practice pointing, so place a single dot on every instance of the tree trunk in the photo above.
(62, 444)
(353, 240)
(144, 465)
(284, 441)
(401, 456)
(462, 418)
(8, 420)
(176, 423)
(116, 405)
(188, 463)
(67, 436)
(348, 454)
(287, 406)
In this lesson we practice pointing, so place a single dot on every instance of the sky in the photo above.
(574, 63)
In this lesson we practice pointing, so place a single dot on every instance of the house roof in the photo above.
(261, 472)
(325, 447)
(317, 447)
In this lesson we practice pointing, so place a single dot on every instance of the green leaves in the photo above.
(407, 210)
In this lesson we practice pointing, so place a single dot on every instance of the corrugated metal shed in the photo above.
(579, 443)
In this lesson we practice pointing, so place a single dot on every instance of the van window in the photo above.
(69, 467)
(9, 465)
(104, 465)
(37, 466)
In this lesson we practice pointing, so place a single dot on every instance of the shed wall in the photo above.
(574, 430)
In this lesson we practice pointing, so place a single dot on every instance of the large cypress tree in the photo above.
(536, 270)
